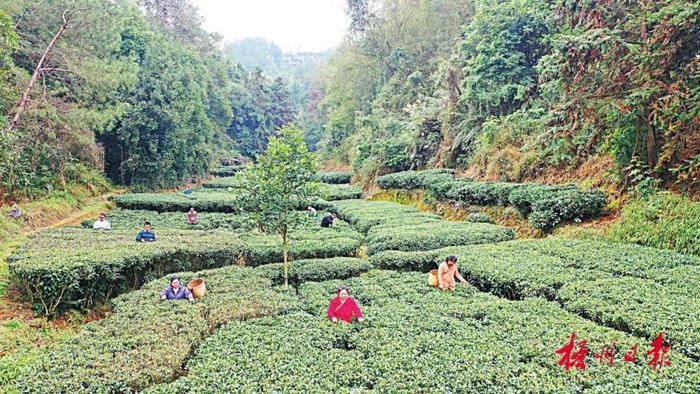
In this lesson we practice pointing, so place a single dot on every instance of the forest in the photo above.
(502, 90)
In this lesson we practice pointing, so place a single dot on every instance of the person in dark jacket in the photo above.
(175, 291)
(328, 221)
(146, 235)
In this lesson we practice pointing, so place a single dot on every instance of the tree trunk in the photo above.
(24, 101)
(651, 145)
(285, 248)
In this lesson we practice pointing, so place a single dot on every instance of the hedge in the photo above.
(208, 200)
(202, 201)
(546, 206)
(408, 180)
(302, 271)
(479, 217)
(128, 219)
(59, 269)
(227, 170)
(145, 341)
(666, 282)
(412, 334)
(229, 182)
(434, 235)
(331, 192)
(643, 307)
(366, 214)
(334, 177)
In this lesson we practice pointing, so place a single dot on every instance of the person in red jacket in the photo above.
(344, 308)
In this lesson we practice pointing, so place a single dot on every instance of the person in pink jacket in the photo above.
(343, 307)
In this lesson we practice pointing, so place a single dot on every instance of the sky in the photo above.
(294, 25)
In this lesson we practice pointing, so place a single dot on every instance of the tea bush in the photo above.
(408, 180)
(412, 334)
(202, 201)
(208, 200)
(267, 249)
(334, 177)
(574, 273)
(301, 271)
(227, 170)
(128, 219)
(145, 341)
(546, 206)
(78, 268)
(330, 192)
(229, 182)
(366, 214)
(433, 235)
(643, 307)
(479, 217)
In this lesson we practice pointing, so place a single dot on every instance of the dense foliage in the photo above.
(146, 340)
(125, 90)
(433, 235)
(480, 339)
(518, 88)
(334, 177)
(366, 214)
(630, 288)
(331, 192)
(80, 267)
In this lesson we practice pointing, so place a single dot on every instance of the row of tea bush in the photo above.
(627, 287)
(334, 177)
(145, 341)
(207, 200)
(79, 268)
(418, 339)
(227, 170)
(545, 206)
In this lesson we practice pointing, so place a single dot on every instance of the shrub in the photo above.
(227, 170)
(484, 193)
(366, 214)
(145, 341)
(408, 180)
(586, 271)
(301, 271)
(642, 307)
(482, 341)
(78, 268)
(566, 205)
(523, 198)
(208, 201)
(433, 235)
(127, 219)
(479, 217)
(331, 192)
(334, 177)
(268, 249)
(229, 182)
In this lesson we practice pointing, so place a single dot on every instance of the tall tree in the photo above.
(279, 184)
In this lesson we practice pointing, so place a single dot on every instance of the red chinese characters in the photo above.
(573, 354)
(660, 353)
(570, 359)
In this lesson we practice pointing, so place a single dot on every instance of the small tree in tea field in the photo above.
(279, 184)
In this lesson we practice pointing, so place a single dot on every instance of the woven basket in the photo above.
(433, 278)
(197, 287)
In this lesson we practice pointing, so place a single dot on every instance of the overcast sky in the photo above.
(294, 25)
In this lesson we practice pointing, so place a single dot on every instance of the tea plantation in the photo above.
(251, 334)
